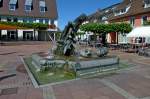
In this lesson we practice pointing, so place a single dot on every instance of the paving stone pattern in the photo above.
(132, 83)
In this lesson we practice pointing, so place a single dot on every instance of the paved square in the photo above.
(134, 82)
(85, 89)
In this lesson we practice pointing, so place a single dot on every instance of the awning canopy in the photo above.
(140, 32)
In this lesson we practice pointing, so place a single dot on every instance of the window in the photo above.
(3, 18)
(132, 21)
(106, 11)
(147, 3)
(27, 8)
(47, 21)
(12, 5)
(52, 22)
(28, 20)
(43, 7)
(41, 20)
(25, 20)
(9, 19)
(1, 3)
(15, 20)
(104, 18)
(28, 5)
(31, 20)
(144, 19)
(122, 11)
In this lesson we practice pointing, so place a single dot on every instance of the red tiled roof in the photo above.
(137, 7)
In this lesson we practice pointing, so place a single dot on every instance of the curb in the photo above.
(34, 82)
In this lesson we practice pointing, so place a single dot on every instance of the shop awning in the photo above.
(7, 27)
(140, 32)
(10, 27)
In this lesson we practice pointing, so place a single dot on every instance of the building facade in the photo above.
(135, 12)
(28, 11)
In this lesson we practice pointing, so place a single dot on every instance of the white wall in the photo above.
(20, 34)
(56, 23)
(4, 32)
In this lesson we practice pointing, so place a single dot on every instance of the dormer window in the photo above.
(122, 11)
(43, 7)
(1, 3)
(106, 11)
(104, 18)
(12, 5)
(28, 5)
(146, 3)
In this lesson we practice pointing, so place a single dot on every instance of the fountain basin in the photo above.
(83, 63)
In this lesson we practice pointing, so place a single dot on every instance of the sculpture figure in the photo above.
(67, 39)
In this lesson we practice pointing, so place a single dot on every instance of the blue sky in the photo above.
(68, 10)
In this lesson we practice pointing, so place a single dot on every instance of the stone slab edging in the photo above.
(34, 82)
(57, 83)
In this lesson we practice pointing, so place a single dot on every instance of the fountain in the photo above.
(67, 52)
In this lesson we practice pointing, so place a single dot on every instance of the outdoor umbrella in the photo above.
(140, 32)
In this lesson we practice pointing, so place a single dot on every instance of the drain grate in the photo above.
(9, 91)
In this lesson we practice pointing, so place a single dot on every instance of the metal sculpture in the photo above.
(67, 39)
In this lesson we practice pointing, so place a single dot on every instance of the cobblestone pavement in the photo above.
(10, 63)
(130, 84)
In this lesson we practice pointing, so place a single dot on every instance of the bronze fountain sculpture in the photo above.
(67, 40)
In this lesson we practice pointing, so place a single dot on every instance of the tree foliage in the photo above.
(146, 23)
(106, 28)
(57, 35)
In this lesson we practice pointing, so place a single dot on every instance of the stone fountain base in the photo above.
(40, 60)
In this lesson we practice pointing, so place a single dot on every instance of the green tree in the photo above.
(146, 23)
(103, 29)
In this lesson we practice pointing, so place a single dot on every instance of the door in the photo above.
(28, 35)
(12, 35)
